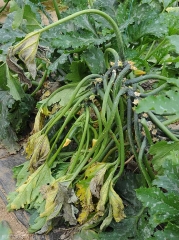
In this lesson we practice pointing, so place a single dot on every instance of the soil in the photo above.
(19, 231)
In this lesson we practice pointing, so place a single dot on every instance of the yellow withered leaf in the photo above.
(50, 199)
(27, 49)
(39, 122)
(104, 195)
(93, 169)
(85, 197)
(117, 205)
(37, 149)
(97, 182)
(83, 216)
(30, 145)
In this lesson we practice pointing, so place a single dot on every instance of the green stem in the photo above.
(136, 129)
(147, 132)
(145, 77)
(56, 9)
(50, 159)
(118, 82)
(155, 91)
(67, 107)
(156, 49)
(96, 110)
(109, 153)
(40, 83)
(106, 97)
(162, 127)
(170, 120)
(5, 5)
(68, 118)
(98, 12)
(150, 49)
(103, 135)
(140, 163)
(149, 168)
(129, 127)
(122, 149)
(115, 55)
(84, 132)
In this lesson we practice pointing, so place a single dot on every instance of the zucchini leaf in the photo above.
(163, 151)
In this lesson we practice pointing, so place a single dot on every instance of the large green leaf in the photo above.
(174, 40)
(163, 207)
(18, 16)
(162, 151)
(8, 35)
(169, 180)
(14, 86)
(78, 70)
(3, 79)
(76, 40)
(7, 135)
(167, 103)
(94, 58)
(171, 231)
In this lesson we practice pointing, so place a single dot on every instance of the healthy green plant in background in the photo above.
(106, 111)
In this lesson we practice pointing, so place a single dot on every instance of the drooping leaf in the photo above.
(106, 222)
(27, 50)
(117, 205)
(28, 192)
(57, 197)
(38, 148)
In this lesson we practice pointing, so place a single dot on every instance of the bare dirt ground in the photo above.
(19, 231)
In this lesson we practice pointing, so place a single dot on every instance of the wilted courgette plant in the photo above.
(85, 131)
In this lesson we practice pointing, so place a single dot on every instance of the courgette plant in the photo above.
(79, 147)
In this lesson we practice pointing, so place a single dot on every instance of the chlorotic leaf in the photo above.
(97, 182)
(38, 150)
(28, 192)
(117, 205)
(27, 49)
(107, 220)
